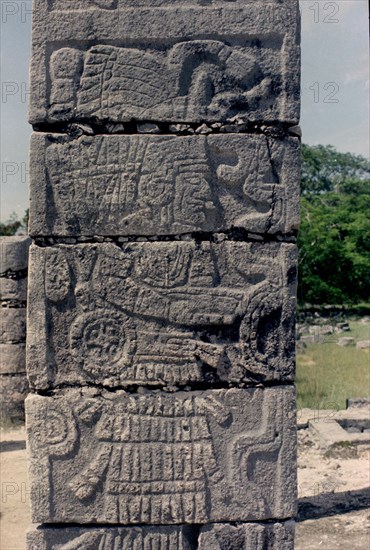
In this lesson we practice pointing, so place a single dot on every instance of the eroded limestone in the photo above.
(149, 64)
(247, 536)
(12, 325)
(12, 358)
(13, 290)
(13, 254)
(158, 185)
(157, 458)
(164, 314)
(13, 390)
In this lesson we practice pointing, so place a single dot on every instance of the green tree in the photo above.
(325, 169)
(11, 226)
(334, 238)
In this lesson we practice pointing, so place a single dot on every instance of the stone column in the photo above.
(13, 299)
(164, 209)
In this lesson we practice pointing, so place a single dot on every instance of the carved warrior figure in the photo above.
(140, 192)
(145, 314)
(160, 459)
(175, 185)
(173, 291)
(199, 78)
(153, 458)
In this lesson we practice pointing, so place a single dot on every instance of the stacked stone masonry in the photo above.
(13, 299)
(164, 209)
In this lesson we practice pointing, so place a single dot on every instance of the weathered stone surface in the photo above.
(247, 536)
(13, 254)
(161, 313)
(13, 391)
(160, 458)
(163, 61)
(13, 289)
(12, 325)
(110, 538)
(156, 185)
(12, 358)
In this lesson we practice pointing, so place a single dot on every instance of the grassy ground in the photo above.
(327, 374)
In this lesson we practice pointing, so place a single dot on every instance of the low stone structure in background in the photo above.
(13, 298)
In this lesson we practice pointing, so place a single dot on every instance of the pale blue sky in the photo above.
(335, 86)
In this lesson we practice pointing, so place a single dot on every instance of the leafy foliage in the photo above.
(325, 169)
(14, 224)
(334, 239)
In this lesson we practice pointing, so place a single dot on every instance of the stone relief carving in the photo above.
(246, 536)
(190, 81)
(118, 185)
(159, 459)
(164, 314)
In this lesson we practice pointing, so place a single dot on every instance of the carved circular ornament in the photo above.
(102, 339)
(52, 427)
(55, 427)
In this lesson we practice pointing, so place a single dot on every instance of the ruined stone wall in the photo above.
(164, 209)
(13, 300)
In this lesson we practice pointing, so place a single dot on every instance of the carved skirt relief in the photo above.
(165, 314)
(159, 459)
(145, 185)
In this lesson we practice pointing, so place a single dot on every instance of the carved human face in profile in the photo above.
(194, 205)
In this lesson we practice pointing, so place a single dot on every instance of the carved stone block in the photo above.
(160, 458)
(157, 185)
(161, 313)
(13, 391)
(247, 536)
(13, 290)
(12, 325)
(12, 358)
(111, 538)
(13, 254)
(165, 61)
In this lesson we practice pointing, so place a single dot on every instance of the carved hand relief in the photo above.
(158, 459)
(162, 313)
(141, 185)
